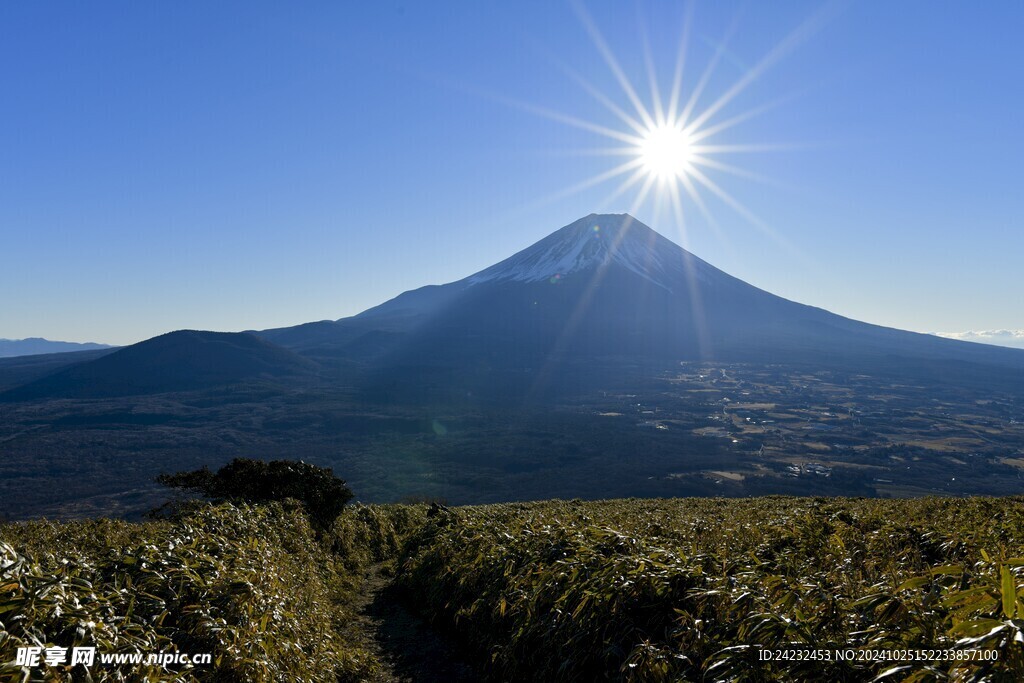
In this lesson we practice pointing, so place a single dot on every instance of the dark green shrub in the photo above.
(258, 481)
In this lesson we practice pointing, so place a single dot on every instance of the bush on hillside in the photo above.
(258, 481)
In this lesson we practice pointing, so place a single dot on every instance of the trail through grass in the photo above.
(408, 649)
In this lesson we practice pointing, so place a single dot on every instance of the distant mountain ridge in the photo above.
(32, 346)
(177, 361)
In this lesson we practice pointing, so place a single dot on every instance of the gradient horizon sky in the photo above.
(234, 166)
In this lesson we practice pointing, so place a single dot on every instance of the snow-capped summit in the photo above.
(593, 242)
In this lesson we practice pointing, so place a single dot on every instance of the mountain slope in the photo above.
(19, 370)
(178, 361)
(608, 291)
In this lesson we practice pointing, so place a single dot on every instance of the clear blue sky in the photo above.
(248, 165)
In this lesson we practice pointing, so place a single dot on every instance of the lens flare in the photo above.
(668, 149)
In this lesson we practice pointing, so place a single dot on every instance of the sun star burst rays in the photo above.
(669, 141)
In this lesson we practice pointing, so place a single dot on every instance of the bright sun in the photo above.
(666, 152)
(669, 149)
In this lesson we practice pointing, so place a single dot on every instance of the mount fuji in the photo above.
(603, 301)
(606, 295)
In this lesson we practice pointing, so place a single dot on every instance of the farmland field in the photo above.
(775, 430)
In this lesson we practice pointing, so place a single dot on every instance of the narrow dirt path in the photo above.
(410, 650)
